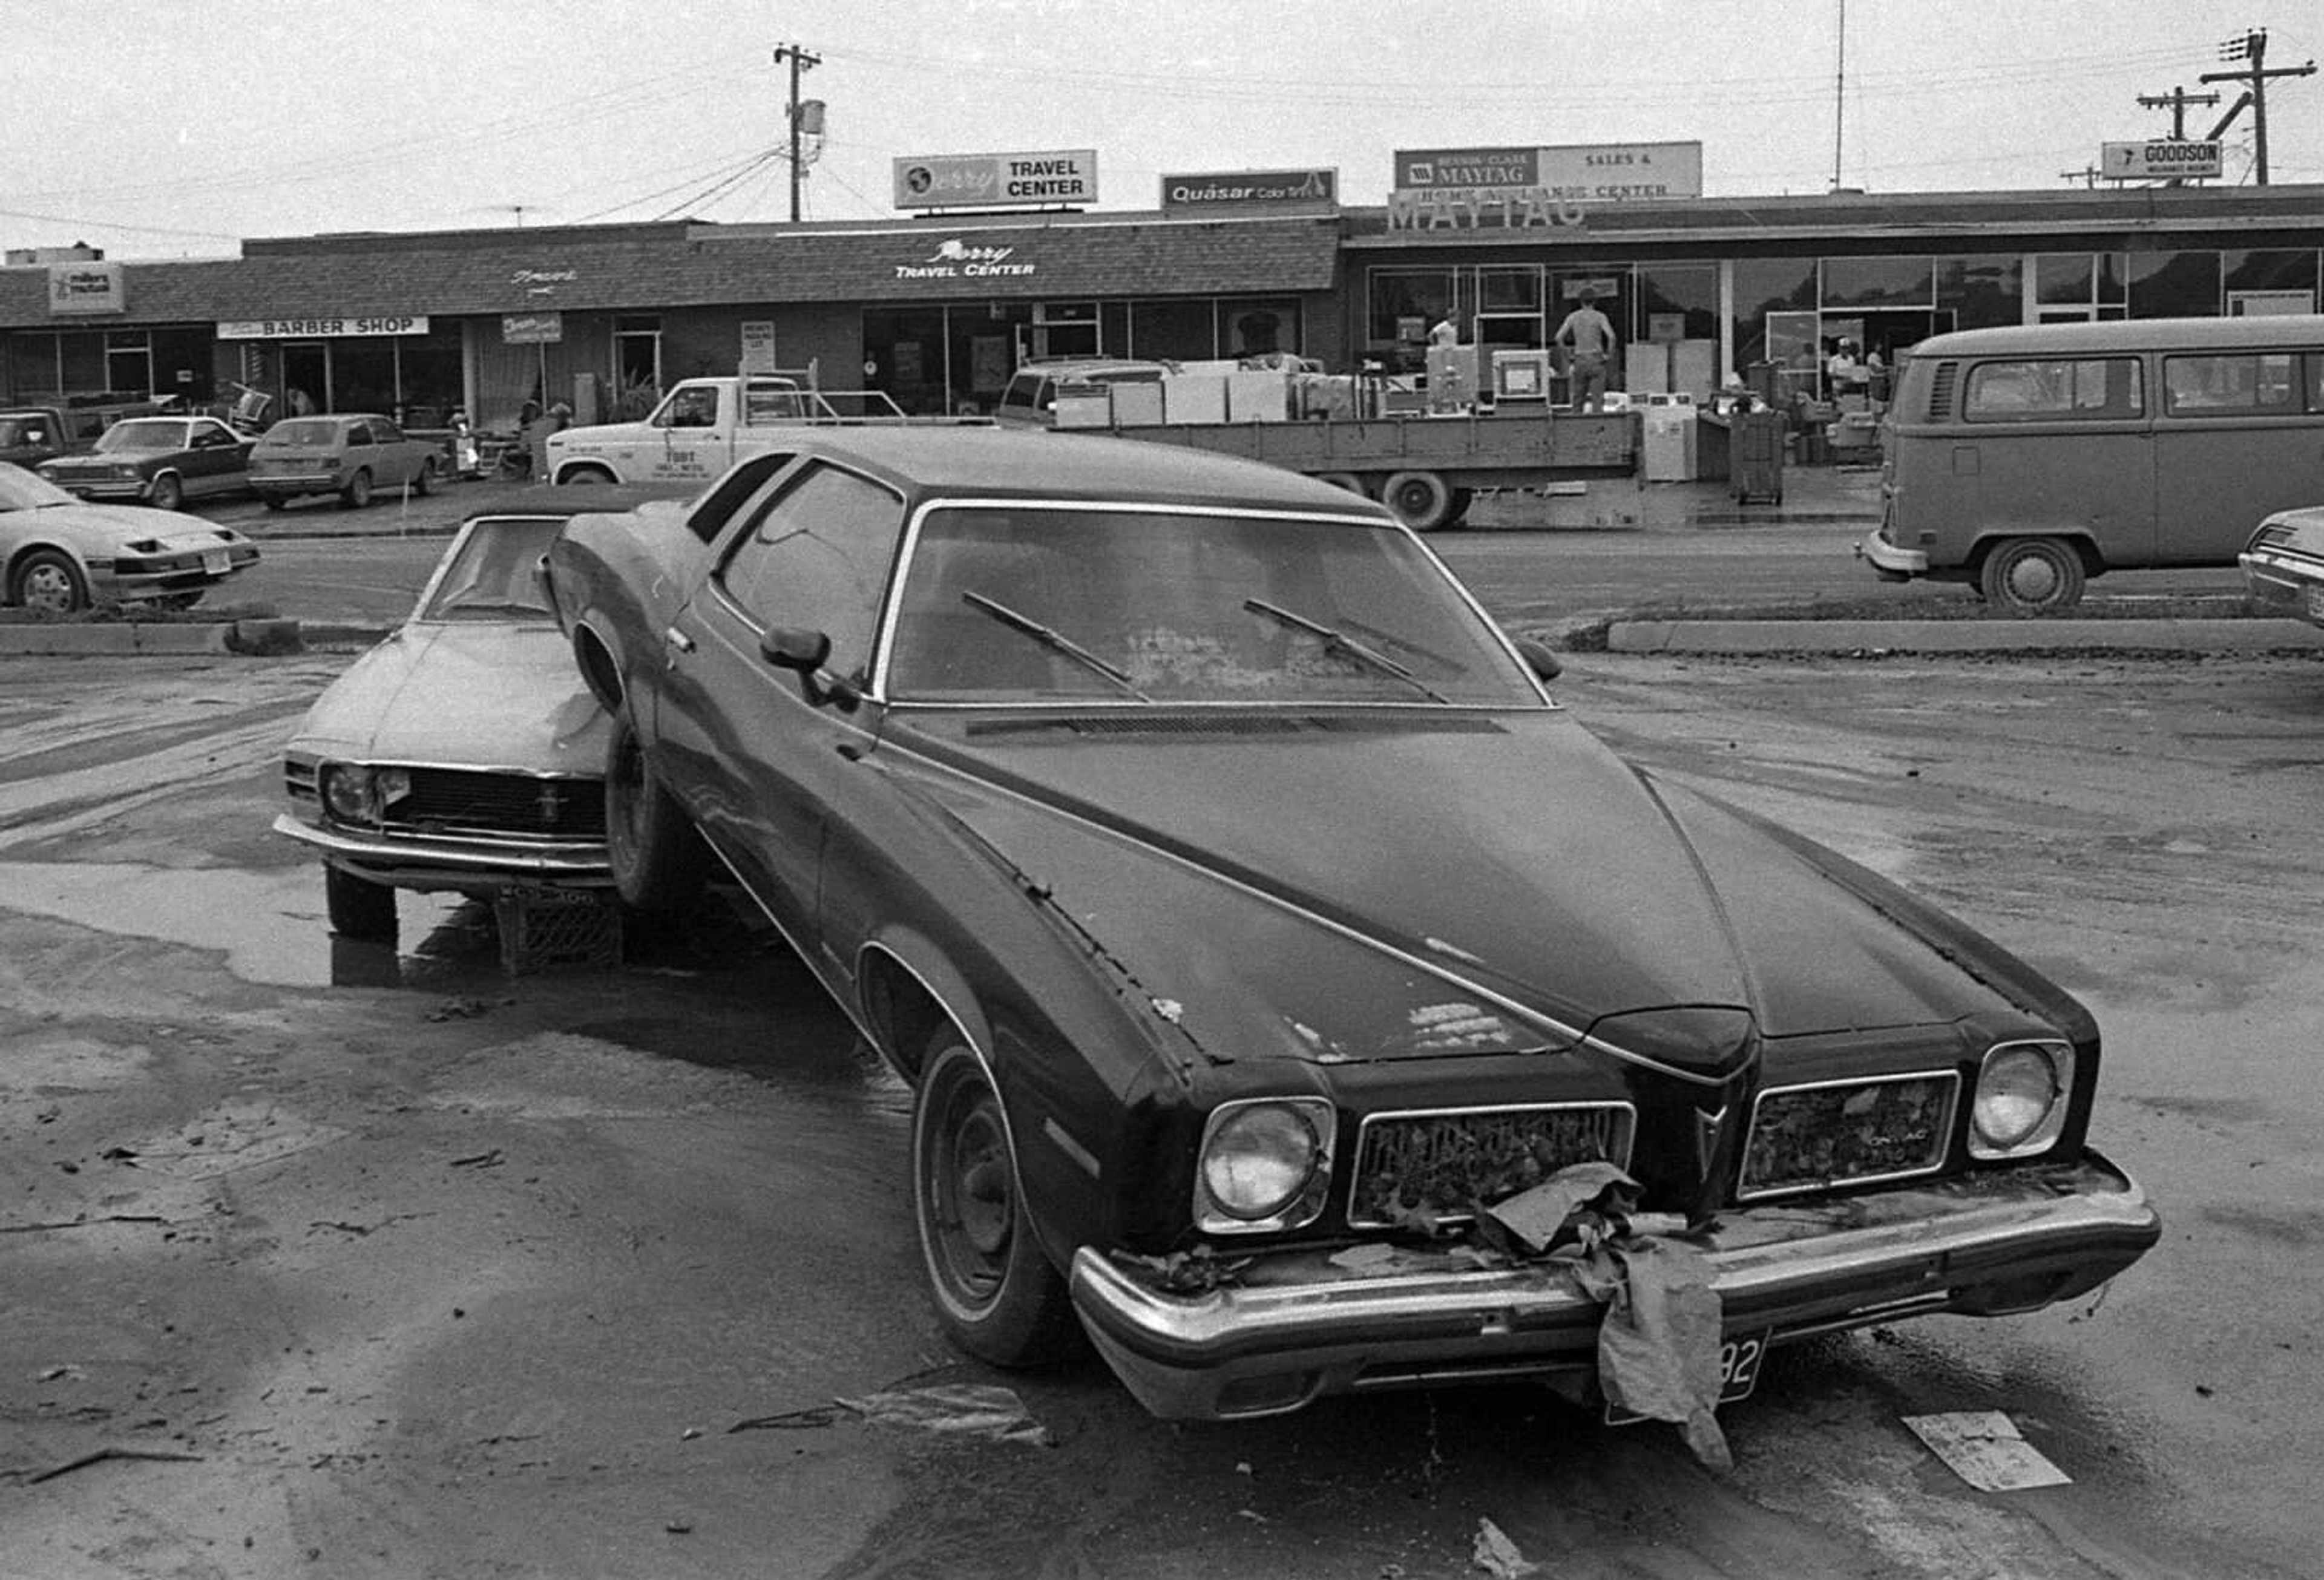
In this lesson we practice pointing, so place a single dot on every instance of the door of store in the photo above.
(306, 370)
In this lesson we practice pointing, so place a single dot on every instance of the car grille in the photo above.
(1853, 1133)
(1442, 1164)
(452, 801)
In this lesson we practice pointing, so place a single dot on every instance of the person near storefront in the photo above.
(1588, 336)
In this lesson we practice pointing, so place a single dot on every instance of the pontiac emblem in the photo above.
(551, 803)
(1706, 1127)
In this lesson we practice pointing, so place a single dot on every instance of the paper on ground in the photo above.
(1983, 1449)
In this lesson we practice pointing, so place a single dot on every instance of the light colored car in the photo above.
(62, 554)
(461, 753)
(2284, 565)
(158, 461)
(354, 454)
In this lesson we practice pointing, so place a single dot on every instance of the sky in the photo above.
(158, 129)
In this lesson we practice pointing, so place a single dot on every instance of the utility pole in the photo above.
(1839, 91)
(2088, 175)
(801, 61)
(2176, 101)
(2252, 47)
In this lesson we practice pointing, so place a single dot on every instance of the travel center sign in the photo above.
(1439, 187)
(974, 181)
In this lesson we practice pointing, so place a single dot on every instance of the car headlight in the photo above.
(354, 793)
(1266, 1164)
(2023, 1091)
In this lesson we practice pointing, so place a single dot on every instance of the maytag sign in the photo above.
(2163, 160)
(1589, 172)
(985, 180)
(1238, 189)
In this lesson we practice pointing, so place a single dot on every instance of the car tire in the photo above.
(1458, 511)
(424, 483)
(358, 908)
(586, 477)
(659, 861)
(169, 491)
(1422, 500)
(2031, 576)
(996, 1293)
(47, 579)
(357, 494)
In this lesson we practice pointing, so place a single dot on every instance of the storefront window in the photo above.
(1764, 286)
(1254, 326)
(1508, 290)
(129, 362)
(1400, 304)
(906, 348)
(1879, 282)
(2174, 285)
(637, 367)
(2272, 281)
(1688, 289)
(1179, 330)
(1982, 291)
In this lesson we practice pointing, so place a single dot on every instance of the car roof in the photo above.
(927, 462)
(2295, 330)
(580, 498)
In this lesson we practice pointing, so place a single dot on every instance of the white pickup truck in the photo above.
(704, 426)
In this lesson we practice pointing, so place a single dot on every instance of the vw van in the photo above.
(2026, 460)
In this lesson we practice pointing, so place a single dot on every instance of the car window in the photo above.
(493, 575)
(358, 434)
(818, 556)
(2046, 389)
(1025, 393)
(743, 486)
(692, 407)
(384, 432)
(2246, 384)
(1166, 601)
(303, 434)
(143, 436)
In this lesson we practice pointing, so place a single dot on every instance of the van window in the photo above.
(1024, 393)
(2044, 390)
(2260, 383)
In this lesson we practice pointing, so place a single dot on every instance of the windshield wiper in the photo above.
(1053, 641)
(1340, 642)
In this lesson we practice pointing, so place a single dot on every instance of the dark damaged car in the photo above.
(1255, 928)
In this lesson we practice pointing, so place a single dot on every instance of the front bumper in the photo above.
(133, 489)
(467, 865)
(123, 582)
(2283, 584)
(1296, 1328)
(1894, 564)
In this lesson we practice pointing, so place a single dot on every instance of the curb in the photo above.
(1961, 636)
(253, 639)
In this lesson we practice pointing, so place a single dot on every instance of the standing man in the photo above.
(1589, 334)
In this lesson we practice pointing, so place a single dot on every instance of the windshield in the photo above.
(21, 491)
(1133, 606)
(303, 434)
(492, 571)
(142, 436)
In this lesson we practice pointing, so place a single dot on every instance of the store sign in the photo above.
(1252, 190)
(532, 328)
(1590, 172)
(320, 328)
(2165, 159)
(1479, 208)
(758, 346)
(86, 288)
(973, 180)
(955, 259)
(1454, 169)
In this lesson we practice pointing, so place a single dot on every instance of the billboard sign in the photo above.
(532, 328)
(1466, 169)
(2163, 159)
(86, 288)
(1590, 172)
(983, 180)
(1233, 189)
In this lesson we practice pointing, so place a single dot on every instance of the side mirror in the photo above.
(1539, 659)
(805, 653)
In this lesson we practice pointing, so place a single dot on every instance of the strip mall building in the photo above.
(937, 308)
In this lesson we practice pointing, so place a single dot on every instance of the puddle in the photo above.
(269, 925)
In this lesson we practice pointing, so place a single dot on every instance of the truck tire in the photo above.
(585, 476)
(1422, 500)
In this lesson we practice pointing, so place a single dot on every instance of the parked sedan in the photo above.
(461, 753)
(61, 554)
(1292, 990)
(2284, 565)
(158, 461)
(353, 454)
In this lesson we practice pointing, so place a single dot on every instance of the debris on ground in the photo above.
(1497, 1556)
(1983, 1449)
(977, 1409)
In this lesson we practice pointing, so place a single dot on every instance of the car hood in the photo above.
(91, 461)
(92, 527)
(1418, 883)
(475, 696)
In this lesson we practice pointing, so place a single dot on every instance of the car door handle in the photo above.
(676, 641)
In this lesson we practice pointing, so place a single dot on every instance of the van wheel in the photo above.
(2029, 576)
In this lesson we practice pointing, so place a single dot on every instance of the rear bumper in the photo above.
(1298, 1328)
(451, 864)
(298, 482)
(1893, 564)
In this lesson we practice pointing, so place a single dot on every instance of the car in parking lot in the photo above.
(354, 454)
(158, 461)
(60, 554)
(461, 753)
(1257, 931)
(2284, 565)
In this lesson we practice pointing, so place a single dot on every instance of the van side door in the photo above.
(2240, 435)
(2058, 446)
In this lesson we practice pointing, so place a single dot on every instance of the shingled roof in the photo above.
(645, 268)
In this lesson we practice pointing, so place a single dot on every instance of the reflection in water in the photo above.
(269, 925)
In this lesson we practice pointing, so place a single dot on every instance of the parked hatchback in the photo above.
(353, 454)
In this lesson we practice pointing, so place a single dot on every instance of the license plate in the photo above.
(216, 560)
(1739, 1372)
